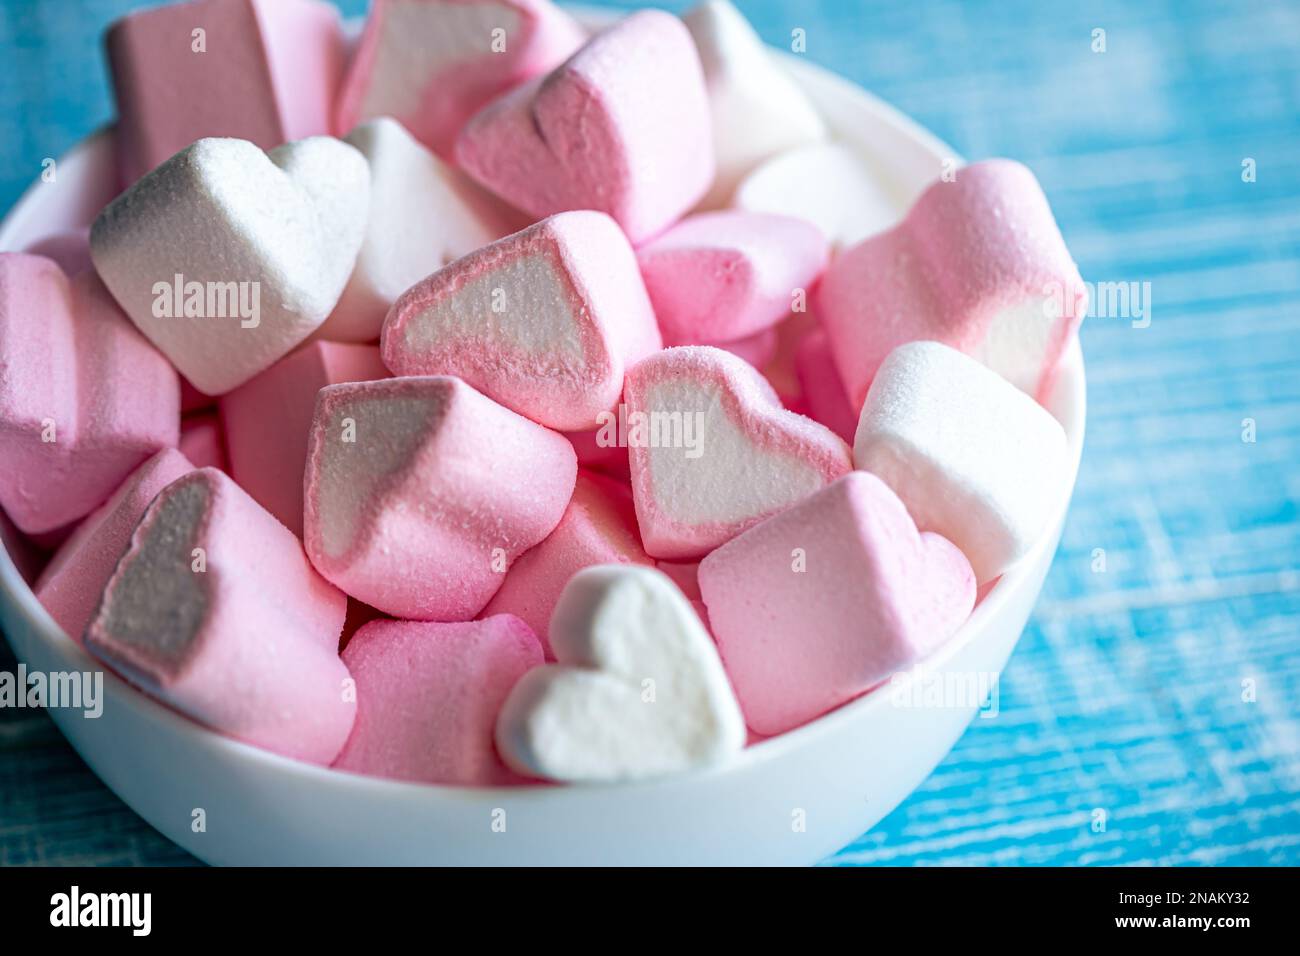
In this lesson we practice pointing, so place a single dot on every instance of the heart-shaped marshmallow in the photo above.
(978, 264)
(621, 127)
(544, 321)
(215, 610)
(84, 399)
(712, 451)
(829, 184)
(433, 64)
(227, 257)
(757, 109)
(638, 691)
(972, 457)
(723, 276)
(818, 604)
(419, 492)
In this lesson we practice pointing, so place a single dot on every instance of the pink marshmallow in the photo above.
(827, 599)
(268, 75)
(825, 398)
(432, 64)
(84, 398)
(72, 583)
(720, 276)
(598, 527)
(428, 696)
(202, 442)
(544, 321)
(713, 452)
(420, 492)
(978, 264)
(215, 610)
(622, 127)
(267, 421)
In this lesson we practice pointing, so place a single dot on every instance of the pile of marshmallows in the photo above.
(474, 392)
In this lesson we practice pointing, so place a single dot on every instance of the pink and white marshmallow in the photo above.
(420, 492)
(227, 257)
(621, 127)
(423, 215)
(722, 276)
(84, 399)
(598, 527)
(261, 70)
(215, 610)
(713, 452)
(73, 582)
(432, 64)
(827, 599)
(428, 695)
(978, 264)
(268, 420)
(757, 108)
(638, 691)
(544, 322)
(972, 457)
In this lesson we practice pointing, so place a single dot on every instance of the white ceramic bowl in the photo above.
(791, 799)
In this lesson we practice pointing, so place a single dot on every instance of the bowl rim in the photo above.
(1069, 395)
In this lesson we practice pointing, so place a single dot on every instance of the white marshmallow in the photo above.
(639, 690)
(829, 184)
(757, 109)
(974, 458)
(424, 214)
(267, 240)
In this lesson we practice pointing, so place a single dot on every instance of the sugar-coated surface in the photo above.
(743, 458)
(544, 321)
(84, 398)
(420, 491)
(821, 602)
(621, 127)
(978, 264)
(428, 696)
(972, 457)
(215, 610)
(638, 692)
(432, 64)
(284, 225)
(267, 73)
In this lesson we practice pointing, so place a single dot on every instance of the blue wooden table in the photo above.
(1151, 714)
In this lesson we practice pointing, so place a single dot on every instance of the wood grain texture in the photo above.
(1125, 695)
